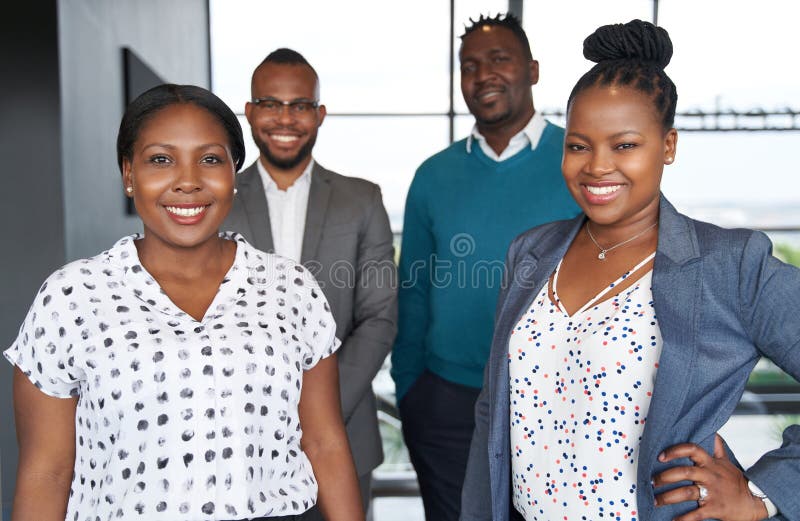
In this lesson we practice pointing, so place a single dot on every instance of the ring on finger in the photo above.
(703, 492)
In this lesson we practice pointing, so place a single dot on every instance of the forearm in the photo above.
(339, 498)
(41, 495)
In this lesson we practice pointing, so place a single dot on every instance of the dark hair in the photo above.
(631, 55)
(509, 21)
(162, 96)
(284, 56)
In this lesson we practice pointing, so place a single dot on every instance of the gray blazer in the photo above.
(722, 301)
(348, 247)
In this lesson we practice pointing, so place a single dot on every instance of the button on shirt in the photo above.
(528, 136)
(287, 211)
(179, 418)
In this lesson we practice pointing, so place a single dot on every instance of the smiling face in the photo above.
(287, 137)
(182, 175)
(614, 154)
(496, 78)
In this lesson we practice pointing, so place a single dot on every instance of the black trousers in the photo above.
(438, 419)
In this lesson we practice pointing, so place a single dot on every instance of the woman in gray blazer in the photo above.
(624, 338)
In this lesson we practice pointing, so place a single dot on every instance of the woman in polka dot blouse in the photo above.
(182, 374)
(624, 337)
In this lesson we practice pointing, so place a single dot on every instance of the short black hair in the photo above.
(507, 20)
(162, 96)
(632, 55)
(285, 56)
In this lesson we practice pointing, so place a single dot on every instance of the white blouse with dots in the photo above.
(179, 419)
(580, 391)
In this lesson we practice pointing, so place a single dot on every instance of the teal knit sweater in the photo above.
(462, 212)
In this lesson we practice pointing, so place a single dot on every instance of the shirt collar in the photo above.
(532, 132)
(125, 256)
(271, 186)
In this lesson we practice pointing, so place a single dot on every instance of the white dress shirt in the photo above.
(528, 136)
(287, 211)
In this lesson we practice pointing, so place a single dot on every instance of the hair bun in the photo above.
(635, 40)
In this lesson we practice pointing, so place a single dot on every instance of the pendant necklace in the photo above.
(603, 251)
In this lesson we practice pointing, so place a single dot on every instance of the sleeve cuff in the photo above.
(772, 510)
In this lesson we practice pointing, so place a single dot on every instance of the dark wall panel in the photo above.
(31, 209)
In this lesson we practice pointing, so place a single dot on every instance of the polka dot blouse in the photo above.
(580, 391)
(179, 419)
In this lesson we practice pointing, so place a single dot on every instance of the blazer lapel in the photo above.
(676, 294)
(254, 202)
(318, 198)
(530, 274)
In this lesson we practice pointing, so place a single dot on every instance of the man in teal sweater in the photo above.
(464, 207)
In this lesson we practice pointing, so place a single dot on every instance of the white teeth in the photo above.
(186, 212)
(283, 138)
(603, 190)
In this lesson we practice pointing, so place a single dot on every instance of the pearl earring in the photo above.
(129, 189)
(235, 191)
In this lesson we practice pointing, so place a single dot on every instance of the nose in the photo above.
(284, 114)
(483, 71)
(187, 179)
(599, 164)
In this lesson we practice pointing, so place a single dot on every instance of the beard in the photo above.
(492, 119)
(287, 163)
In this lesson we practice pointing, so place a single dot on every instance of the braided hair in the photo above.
(509, 21)
(631, 55)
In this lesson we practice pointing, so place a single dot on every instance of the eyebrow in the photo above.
(615, 135)
(173, 147)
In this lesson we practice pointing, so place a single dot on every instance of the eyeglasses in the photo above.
(298, 107)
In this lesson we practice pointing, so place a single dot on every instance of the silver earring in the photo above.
(129, 189)
(235, 191)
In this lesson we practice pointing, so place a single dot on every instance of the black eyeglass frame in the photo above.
(314, 104)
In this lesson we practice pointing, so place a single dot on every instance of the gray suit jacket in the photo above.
(722, 301)
(348, 247)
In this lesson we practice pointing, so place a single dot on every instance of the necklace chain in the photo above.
(604, 251)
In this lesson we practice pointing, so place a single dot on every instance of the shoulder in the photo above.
(269, 268)
(553, 138)
(543, 238)
(445, 158)
(353, 186)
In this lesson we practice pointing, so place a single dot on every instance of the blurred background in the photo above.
(389, 79)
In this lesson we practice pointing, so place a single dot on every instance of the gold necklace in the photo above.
(603, 251)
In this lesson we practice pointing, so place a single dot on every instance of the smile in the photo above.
(602, 190)
(283, 138)
(186, 212)
(487, 95)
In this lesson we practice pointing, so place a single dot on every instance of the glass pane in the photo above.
(736, 178)
(384, 150)
(556, 31)
(717, 65)
(370, 57)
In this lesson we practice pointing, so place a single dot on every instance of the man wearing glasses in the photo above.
(336, 226)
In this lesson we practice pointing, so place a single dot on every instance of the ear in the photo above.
(670, 146)
(322, 112)
(127, 177)
(248, 111)
(534, 70)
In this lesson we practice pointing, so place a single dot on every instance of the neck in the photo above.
(167, 261)
(498, 135)
(285, 177)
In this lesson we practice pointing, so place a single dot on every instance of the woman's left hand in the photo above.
(727, 496)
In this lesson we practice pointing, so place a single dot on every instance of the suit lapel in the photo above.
(676, 294)
(529, 276)
(318, 198)
(254, 201)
